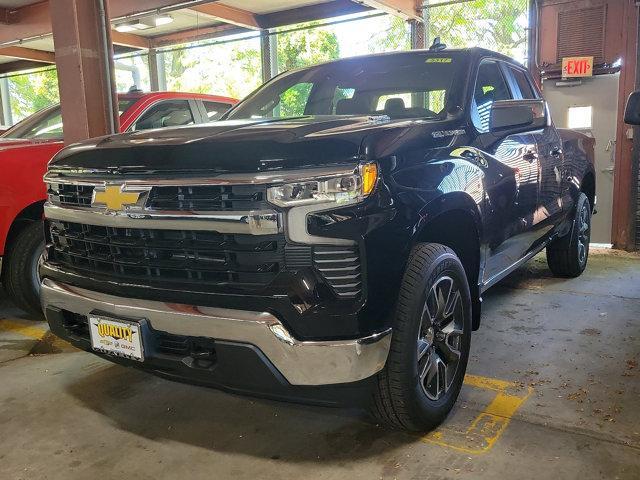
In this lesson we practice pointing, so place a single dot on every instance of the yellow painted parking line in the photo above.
(486, 428)
(22, 329)
(36, 333)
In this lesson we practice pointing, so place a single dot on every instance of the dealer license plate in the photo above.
(117, 337)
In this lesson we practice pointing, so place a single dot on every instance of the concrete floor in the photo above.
(553, 391)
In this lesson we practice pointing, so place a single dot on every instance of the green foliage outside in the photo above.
(32, 92)
(499, 25)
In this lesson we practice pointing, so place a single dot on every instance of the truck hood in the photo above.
(235, 146)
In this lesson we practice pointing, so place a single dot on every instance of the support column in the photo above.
(157, 72)
(420, 31)
(269, 55)
(86, 75)
(5, 102)
(152, 61)
(162, 71)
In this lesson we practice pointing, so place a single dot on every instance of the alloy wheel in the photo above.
(583, 234)
(440, 337)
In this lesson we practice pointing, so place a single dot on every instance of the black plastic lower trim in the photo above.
(233, 367)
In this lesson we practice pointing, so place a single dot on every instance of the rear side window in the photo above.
(171, 113)
(523, 84)
(215, 109)
(490, 87)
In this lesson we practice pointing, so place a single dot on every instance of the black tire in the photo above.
(567, 256)
(20, 271)
(401, 398)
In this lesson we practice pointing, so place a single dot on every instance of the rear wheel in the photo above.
(430, 344)
(567, 256)
(20, 278)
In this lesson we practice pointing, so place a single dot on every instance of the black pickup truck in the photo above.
(329, 240)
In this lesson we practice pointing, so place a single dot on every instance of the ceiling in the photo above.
(26, 40)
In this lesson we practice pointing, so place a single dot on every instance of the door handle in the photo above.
(556, 152)
(530, 156)
(471, 155)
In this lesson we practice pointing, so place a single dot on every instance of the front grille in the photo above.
(162, 257)
(208, 198)
(174, 198)
(70, 195)
(340, 267)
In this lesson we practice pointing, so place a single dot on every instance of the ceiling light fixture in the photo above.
(143, 23)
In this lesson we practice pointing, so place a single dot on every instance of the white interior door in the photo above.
(592, 107)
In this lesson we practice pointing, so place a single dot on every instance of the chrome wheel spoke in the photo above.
(450, 344)
(434, 379)
(442, 294)
(440, 336)
(423, 349)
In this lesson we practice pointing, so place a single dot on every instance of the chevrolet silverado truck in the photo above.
(25, 151)
(329, 240)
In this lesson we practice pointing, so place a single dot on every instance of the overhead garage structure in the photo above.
(63, 32)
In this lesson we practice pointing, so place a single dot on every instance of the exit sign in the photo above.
(577, 67)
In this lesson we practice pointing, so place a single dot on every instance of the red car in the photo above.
(25, 151)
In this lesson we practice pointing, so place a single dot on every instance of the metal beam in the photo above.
(9, 15)
(407, 9)
(23, 53)
(84, 59)
(19, 65)
(35, 19)
(194, 34)
(224, 13)
(311, 13)
(129, 40)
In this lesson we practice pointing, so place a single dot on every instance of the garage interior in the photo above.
(553, 384)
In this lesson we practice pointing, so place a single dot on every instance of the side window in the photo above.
(521, 80)
(490, 87)
(215, 109)
(49, 127)
(170, 113)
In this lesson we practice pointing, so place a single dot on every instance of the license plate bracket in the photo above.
(117, 336)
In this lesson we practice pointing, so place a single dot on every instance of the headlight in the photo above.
(343, 189)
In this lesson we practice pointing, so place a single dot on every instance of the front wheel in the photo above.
(430, 342)
(21, 275)
(567, 256)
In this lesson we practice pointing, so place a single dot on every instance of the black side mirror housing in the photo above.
(632, 112)
(517, 115)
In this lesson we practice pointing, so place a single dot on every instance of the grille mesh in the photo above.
(167, 256)
(210, 197)
(70, 195)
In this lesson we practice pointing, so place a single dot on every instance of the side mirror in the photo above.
(517, 114)
(632, 112)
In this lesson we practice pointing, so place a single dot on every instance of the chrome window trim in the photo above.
(253, 222)
(320, 362)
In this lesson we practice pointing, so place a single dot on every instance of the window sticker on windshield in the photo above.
(439, 60)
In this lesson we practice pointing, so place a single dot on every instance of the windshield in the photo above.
(408, 85)
(47, 124)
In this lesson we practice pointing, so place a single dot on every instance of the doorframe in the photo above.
(624, 181)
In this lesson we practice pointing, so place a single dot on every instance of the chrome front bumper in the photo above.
(300, 362)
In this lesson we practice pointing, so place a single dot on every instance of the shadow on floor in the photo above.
(159, 409)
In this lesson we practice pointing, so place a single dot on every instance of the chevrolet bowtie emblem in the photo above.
(114, 198)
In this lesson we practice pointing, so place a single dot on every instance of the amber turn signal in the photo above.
(369, 176)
